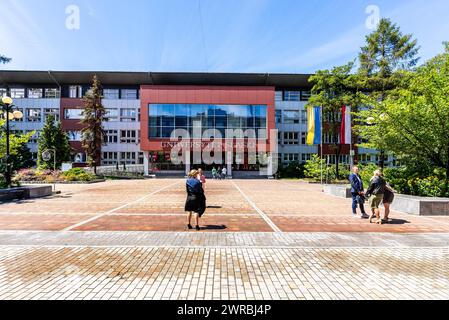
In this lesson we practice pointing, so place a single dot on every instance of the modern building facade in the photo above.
(143, 109)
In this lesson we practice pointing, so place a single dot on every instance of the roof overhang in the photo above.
(155, 78)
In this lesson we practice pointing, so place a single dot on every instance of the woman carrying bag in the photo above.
(196, 200)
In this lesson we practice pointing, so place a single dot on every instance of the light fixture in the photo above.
(17, 115)
(7, 100)
(370, 120)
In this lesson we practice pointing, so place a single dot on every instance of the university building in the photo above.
(143, 108)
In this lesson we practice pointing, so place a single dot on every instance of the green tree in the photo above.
(412, 122)
(388, 53)
(4, 59)
(16, 143)
(93, 133)
(22, 159)
(53, 137)
(387, 50)
(333, 89)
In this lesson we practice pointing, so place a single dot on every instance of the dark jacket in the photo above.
(376, 187)
(356, 183)
(196, 200)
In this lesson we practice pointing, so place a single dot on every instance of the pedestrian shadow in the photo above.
(214, 227)
(214, 207)
(397, 222)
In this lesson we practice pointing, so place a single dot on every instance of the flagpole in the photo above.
(321, 139)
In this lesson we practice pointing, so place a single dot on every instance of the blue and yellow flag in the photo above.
(314, 126)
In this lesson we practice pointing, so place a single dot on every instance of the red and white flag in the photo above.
(346, 128)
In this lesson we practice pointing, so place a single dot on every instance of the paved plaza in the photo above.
(260, 239)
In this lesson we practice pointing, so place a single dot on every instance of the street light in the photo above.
(7, 108)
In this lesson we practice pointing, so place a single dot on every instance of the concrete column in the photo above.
(187, 163)
(146, 163)
(270, 168)
(229, 163)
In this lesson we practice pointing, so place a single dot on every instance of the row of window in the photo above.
(291, 116)
(295, 157)
(36, 114)
(74, 92)
(297, 138)
(332, 158)
(112, 115)
(109, 94)
(293, 95)
(112, 136)
(125, 94)
(165, 118)
(113, 158)
(33, 93)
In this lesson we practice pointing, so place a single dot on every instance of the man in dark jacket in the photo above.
(357, 191)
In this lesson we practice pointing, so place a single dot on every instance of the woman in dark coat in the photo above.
(196, 200)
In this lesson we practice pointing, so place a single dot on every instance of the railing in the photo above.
(120, 171)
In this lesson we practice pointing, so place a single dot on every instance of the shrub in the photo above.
(77, 174)
(367, 172)
(312, 169)
(48, 176)
(292, 170)
(407, 181)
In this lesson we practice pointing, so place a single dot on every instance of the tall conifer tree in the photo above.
(388, 53)
(93, 133)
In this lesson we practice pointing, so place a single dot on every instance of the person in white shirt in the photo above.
(224, 173)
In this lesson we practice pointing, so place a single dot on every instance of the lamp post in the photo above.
(7, 108)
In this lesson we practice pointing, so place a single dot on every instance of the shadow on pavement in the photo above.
(212, 227)
(397, 222)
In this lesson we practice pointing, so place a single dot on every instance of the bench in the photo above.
(12, 194)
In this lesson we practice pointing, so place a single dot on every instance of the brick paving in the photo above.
(260, 240)
(239, 206)
(223, 273)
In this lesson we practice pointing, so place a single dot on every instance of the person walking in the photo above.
(219, 173)
(224, 173)
(214, 173)
(375, 194)
(202, 178)
(358, 193)
(387, 201)
(196, 200)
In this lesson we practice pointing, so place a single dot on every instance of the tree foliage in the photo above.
(4, 59)
(333, 89)
(53, 137)
(388, 50)
(22, 159)
(412, 122)
(16, 143)
(93, 133)
(385, 60)
(15, 140)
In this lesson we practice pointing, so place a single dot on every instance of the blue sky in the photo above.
(274, 36)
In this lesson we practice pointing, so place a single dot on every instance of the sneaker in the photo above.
(189, 226)
(354, 215)
(364, 216)
(197, 228)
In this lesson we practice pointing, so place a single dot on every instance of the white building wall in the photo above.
(300, 149)
(119, 148)
(25, 105)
